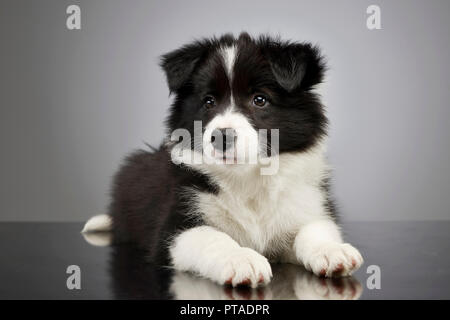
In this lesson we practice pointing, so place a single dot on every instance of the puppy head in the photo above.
(241, 90)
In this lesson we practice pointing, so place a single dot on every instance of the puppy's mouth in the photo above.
(229, 157)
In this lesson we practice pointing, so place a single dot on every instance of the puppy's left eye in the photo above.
(209, 101)
(259, 100)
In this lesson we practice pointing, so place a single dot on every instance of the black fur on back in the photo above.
(148, 204)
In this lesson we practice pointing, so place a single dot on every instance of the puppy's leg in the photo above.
(319, 247)
(216, 256)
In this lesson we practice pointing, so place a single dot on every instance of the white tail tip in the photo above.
(99, 223)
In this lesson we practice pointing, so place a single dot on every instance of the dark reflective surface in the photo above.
(413, 257)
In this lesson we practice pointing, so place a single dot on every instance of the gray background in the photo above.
(73, 103)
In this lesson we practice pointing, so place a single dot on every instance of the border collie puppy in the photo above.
(199, 203)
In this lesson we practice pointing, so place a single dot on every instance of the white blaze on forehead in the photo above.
(229, 57)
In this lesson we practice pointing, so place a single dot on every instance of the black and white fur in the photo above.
(226, 222)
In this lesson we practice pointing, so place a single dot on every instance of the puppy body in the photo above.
(265, 212)
(225, 221)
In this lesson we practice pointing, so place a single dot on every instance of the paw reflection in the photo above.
(133, 276)
(289, 282)
(310, 287)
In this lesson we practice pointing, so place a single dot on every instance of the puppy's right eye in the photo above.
(259, 100)
(209, 101)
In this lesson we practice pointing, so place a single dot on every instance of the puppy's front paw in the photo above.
(244, 266)
(332, 259)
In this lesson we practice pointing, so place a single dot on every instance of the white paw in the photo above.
(244, 266)
(332, 259)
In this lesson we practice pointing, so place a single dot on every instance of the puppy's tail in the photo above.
(99, 223)
(95, 231)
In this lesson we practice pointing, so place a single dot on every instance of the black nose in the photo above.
(223, 139)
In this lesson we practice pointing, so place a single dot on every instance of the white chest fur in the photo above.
(265, 212)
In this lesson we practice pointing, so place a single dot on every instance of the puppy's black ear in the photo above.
(179, 64)
(295, 65)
